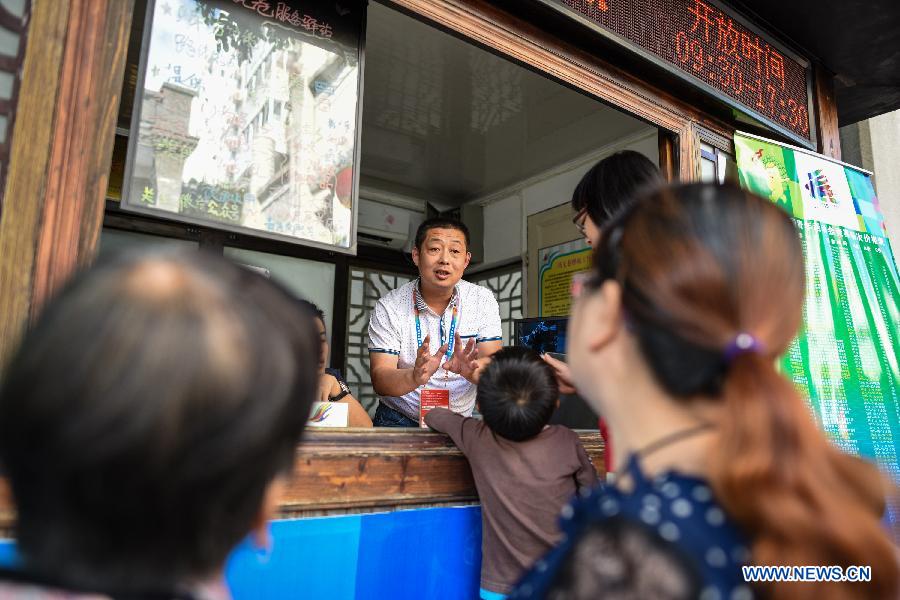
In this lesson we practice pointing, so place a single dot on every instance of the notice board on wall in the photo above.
(246, 118)
(845, 359)
(557, 265)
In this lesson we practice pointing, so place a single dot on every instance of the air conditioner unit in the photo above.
(382, 225)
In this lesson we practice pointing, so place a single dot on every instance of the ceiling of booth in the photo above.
(446, 121)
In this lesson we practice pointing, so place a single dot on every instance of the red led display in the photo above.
(701, 40)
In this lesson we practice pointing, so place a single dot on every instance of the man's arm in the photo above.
(387, 379)
(485, 350)
(384, 354)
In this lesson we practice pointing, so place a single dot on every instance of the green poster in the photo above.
(767, 170)
(845, 359)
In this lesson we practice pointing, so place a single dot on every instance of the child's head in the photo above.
(517, 393)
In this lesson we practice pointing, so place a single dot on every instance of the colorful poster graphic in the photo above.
(329, 414)
(845, 359)
(557, 265)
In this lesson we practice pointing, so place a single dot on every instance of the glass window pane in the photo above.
(356, 291)
(707, 170)
(366, 287)
(309, 279)
(507, 289)
(6, 85)
(115, 241)
(15, 7)
(9, 42)
(727, 169)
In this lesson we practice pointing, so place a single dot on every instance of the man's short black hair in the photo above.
(517, 393)
(440, 223)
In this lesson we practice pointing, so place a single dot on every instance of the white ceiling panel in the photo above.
(447, 121)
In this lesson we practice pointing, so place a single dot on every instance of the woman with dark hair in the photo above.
(607, 189)
(332, 387)
(674, 340)
(148, 424)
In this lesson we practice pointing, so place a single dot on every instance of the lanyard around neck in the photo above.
(453, 321)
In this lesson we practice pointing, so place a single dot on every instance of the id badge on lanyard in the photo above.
(430, 398)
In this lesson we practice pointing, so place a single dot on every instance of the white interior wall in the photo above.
(874, 144)
(506, 212)
(503, 229)
(885, 132)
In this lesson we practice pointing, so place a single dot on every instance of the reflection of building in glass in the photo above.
(284, 145)
(163, 146)
(264, 140)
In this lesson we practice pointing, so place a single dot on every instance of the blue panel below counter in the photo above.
(422, 554)
(432, 553)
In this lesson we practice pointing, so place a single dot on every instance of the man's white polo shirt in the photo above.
(392, 330)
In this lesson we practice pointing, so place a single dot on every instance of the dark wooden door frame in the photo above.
(60, 153)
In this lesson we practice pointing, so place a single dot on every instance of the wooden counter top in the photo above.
(349, 469)
(357, 470)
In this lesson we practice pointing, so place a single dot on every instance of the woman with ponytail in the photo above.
(696, 291)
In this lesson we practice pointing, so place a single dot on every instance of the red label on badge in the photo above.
(432, 398)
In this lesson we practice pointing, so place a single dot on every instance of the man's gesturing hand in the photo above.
(463, 359)
(426, 363)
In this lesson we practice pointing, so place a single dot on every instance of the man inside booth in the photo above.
(429, 338)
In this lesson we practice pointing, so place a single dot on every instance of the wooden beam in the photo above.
(668, 155)
(61, 151)
(829, 136)
(16, 25)
(339, 319)
(23, 197)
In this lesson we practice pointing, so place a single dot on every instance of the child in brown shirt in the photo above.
(525, 470)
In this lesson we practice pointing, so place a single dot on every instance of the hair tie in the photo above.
(741, 344)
